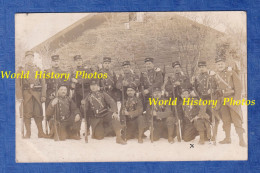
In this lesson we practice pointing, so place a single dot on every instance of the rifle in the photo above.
(213, 127)
(151, 128)
(45, 118)
(178, 130)
(123, 106)
(85, 116)
(21, 113)
(56, 134)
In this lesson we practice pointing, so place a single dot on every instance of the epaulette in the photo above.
(157, 69)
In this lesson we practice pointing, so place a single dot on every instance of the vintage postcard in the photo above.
(131, 86)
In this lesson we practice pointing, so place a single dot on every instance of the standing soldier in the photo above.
(129, 77)
(151, 78)
(229, 86)
(174, 87)
(78, 95)
(204, 84)
(109, 84)
(195, 121)
(132, 110)
(103, 113)
(32, 92)
(53, 83)
(163, 119)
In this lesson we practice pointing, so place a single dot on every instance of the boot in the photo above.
(140, 137)
(27, 124)
(227, 139)
(241, 140)
(41, 134)
(119, 139)
(170, 135)
(202, 135)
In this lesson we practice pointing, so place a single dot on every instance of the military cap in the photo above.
(148, 60)
(131, 86)
(175, 63)
(218, 59)
(202, 63)
(106, 59)
(126, 63)
(29, 53)
(55, 57)
(94, 82)
(63, 84)
(77, 57)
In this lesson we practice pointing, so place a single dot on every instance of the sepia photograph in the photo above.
(131, 86)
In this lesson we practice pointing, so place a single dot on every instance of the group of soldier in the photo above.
(119, 105)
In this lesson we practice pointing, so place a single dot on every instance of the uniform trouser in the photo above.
(163, 128)
(228, 116)
(32, 109)
(203, 125)
(135, 127)
(65, 129)
(189, 132)
(101, 126)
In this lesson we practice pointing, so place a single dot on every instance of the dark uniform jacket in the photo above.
(151, 79)
(204, 82)
(85, 81)
(131, 77)
(109, 83)
(100, 103)
(32, 85)
(66, 110)
(134, 106)
(162, 111)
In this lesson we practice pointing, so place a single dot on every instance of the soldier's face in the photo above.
(130, 92)
(29, 59)
(94, 88)
(126, 68)
(149, 65)
(177, 69)
(157, 94)
(62, 91)
(55, 63)
(185, 94)
(202, 69)
(221, 65)
(106, 65)
(79, 62)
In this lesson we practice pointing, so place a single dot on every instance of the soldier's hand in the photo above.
(192, 80)
(146, 91)
(209, 91)
(166, 94)
(83, 102)
(74, 80)
(77, 118)
(73, 85)
(154, 113)
(54, 102)
(115, 116)
(126, 112)
(43, 99)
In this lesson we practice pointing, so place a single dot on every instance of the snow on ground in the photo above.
(48, 150)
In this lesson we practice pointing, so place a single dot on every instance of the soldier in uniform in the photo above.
(151, 78)
(163, 118)
(229, 86)
(109, 84)
(103, 113)
(204, 84)
(195, 121)
(78, 92)
(173, 87)
(129, 77)
(53, 83)
(67, 123)
(32, 92)
(132, 110)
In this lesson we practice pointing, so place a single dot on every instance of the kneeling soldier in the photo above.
(65, 116)
(163, 119)
(196, 121)
(104, 114)
(132, 111)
